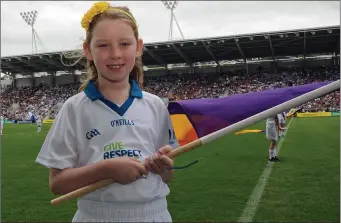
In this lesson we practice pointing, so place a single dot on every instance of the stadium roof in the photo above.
(258, 45)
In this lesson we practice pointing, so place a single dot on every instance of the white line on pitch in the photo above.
(252, 205)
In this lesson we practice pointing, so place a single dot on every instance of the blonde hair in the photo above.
(124, 14)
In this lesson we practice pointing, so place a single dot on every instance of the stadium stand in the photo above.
(234, 74)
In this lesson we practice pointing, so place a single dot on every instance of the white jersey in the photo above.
(2, 121)
(38, 122)
(89, 129)
(280, 116)
(281, 119)
(271, 132)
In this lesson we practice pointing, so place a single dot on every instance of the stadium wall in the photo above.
(299, 115)
(48, 80)
(45, 80)
(64, 79)
(317, 114)
(6, 82)
(22, 82)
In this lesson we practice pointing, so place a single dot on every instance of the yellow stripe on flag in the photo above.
(183, 128)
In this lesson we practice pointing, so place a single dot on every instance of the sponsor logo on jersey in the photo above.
(117, 149)
(121, 122)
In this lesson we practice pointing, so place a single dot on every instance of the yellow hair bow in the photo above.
(97, 8)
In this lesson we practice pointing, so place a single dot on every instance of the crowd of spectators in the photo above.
(18, 102)
(44, 100)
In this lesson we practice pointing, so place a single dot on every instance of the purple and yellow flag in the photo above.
(193, 119)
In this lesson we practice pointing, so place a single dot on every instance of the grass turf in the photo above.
(304, 187)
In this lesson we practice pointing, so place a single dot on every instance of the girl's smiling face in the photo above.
(113, 48)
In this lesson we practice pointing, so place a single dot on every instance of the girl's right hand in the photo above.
(124, 170)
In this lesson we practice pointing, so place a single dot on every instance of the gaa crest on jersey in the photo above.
(91, 134)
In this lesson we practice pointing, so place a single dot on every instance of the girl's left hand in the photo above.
(159, 163)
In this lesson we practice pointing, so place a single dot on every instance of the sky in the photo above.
(58, 23)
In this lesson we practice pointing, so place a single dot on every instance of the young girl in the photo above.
(272, 126)
(112, 129)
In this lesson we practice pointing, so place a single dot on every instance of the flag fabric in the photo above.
(193, 119)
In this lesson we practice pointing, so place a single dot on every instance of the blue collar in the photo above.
(94, 94)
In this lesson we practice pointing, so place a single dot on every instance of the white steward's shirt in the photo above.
(89, 129)
(280, 116)
(271, 120)
(38, 122)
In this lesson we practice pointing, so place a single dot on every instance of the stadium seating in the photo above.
(43, 100)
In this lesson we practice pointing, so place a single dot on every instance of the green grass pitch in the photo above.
(304, 187)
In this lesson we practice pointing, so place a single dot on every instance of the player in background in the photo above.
(38, 121)
(281, 124)
(272, 126)
(2, 123)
